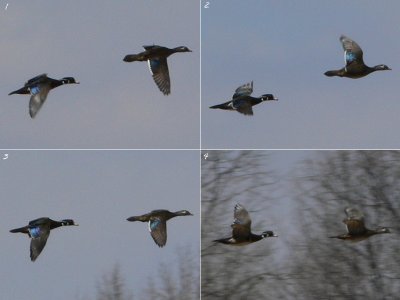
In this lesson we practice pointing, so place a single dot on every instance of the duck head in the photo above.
(182, 49)
(381, 68)
(183, 213)
(268, 97)
(266, 234)
(69, 80)
(68, 222)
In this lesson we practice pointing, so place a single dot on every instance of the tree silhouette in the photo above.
(112, 287)
(328, 268)
(230, 177)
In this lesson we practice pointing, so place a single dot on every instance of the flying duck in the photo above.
(158, 223)
(39, 230)
(156, 56)
(39, 87)
(353, 57)
(241, 229)
(356, 230)
(242, 102)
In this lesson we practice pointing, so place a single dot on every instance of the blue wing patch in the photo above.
(154, 223)
(350, 57)
(34, 232)
(34, 90)
(154, 65)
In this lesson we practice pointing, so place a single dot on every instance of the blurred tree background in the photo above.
(301, 195)
(176, 281)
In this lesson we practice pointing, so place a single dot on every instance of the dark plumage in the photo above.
(39, 87)
(39, 230)
(156, 56)
(158, 223)
(353, 57)
(356, 230)
(241, 229)
(242, 102)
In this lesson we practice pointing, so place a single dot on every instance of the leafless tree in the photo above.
(330, 268)
(112, 287)
(176, 281)
(230, 177)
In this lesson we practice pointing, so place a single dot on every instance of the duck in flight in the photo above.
(156, 56)
(242, 102)
(353, 58)
(39, 87)
(241, 230)
(356, 230)
(39, 230)
(157, 220)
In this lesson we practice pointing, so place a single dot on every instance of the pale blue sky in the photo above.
(117, 104)
(285, 47)
(99, 190)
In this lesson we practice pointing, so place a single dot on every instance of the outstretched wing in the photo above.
(39, 236)
(159, 70)
(352, 51)
(354, 221)
(241, 226)
(39, 94)
(243, 90)
(158, 231)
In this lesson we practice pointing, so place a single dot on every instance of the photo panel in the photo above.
(254, 52)
(119, 102)
(300, 224)
(99, 191)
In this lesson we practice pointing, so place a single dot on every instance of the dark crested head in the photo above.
(183, 213)
(268, 97)
(68, 222)
(182, 49)
(68, 80)
(266, 234)
(381, 68)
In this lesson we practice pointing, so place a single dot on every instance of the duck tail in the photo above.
(133, 219)
(20, 91)
(21, 229)
(221, 106)
(331, 73)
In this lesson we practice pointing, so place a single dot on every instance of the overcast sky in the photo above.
(117, 104)
(99, 190)
(285, 47)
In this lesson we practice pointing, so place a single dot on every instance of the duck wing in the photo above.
(39, 94)
(151, 47)
(352, 51)
(241, 226)
(39, 236)
(158, 231)
(159, 70)
(37, 79)
(243, 106)
(354, 221)
(243, 90)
